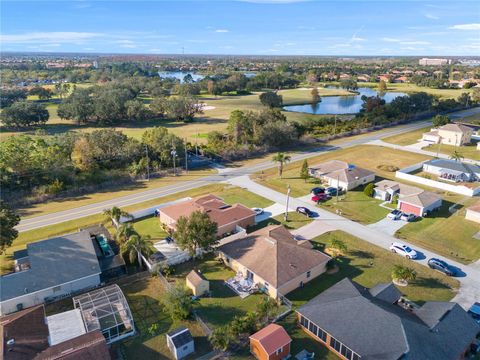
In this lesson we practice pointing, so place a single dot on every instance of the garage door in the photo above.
(410, 209)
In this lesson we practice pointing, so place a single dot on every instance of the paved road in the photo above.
(225, 174)
(470, 279)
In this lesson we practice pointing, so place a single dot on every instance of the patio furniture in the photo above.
(304, 355)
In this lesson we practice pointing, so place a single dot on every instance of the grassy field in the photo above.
(369, 265)
(407, 138)
(228, 193)
(412, 88)
(295, 221)
(365, 156)
(447, 234)
(467, 151)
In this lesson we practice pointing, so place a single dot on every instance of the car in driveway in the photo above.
(317, 190)
(474, 312)
(333, 191)
(320, 197)
(305, 211)
(407, 217)
(404, 250)
(394, 214)
(442, 266)
(258, 211)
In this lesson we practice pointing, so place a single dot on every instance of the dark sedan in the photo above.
(305, 211)
(442, 266)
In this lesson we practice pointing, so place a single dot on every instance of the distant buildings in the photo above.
(434, 62)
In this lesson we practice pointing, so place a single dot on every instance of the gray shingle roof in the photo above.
(377, 329)
(454, 165)
(53, 262)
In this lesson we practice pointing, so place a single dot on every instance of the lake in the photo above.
(179, 75)
(341, 104)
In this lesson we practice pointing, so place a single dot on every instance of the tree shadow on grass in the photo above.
(430, 283)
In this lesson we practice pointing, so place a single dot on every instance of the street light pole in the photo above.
(288, 200)
(174, 154)
(148, 163)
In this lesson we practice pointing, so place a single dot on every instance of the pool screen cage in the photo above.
(107, 310)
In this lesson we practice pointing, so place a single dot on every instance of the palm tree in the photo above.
(136, 246)
(338, 246)
(115, 213)
(124, 232)
(403, 274)
(281, 159)
(456, 156)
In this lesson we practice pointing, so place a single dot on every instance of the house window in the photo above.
(185, 348)
(335, 344)
(227, 259)
(308, 274)
(355, 356)
(278, 352)
(266, 285)
(322, 335)
(57, 288)
(304, 322)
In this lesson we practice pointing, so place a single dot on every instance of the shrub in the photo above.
(369, 190)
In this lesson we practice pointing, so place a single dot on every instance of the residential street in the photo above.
(470, 282)
(72, 214)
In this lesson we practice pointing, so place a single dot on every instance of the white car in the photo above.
(404, 250)
(257, 211)
(394, 214)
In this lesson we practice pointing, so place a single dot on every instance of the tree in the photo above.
(382, 86)
(315, 96)
(281, 159)
(24, 113)
(271, 99)
(78, 106)
(178, 302)
(196, 232)
(267, 309)
(349, 84)
(8, 220)
(456, 156)
(337, 246)
(9, 96)
(180, 108)
(304, 174)
(160, 143)
(440, 120)
(369, 190)
(403, 274)
(220, 338)
(136, 246)
(464, 99)
(115, 213)
(124, 232)
(41, 92)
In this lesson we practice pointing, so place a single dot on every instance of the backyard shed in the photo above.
(270, 343)
(180, 342)
(197, 283)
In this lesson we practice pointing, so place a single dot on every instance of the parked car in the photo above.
(474, 312)
(441, 266)
(333, 191)
(394, 214)
(404, 250)
(320, 197)
(317, 190)
(258, 211)
(407, 217)
(305, 211)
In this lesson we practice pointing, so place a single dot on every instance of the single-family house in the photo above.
(270, 343)
(197, 283)
(180, 342)
(386, 190)
(473, 212)
(450, 134)
(27, 334)
(420, 204)
(400, 79)
(50, 269)
(274, 259)
(451, 170)
(227, 217)
(338, 173)
(355, 323)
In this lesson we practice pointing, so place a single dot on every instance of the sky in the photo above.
(243, 27)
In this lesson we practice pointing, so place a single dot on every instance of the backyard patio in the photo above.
(243, 287)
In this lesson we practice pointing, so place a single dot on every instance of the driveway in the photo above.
(312, 230)
(419, 145)
(271, 211)
(388, 226)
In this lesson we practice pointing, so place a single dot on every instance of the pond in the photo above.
(179, 75)
(341, 104)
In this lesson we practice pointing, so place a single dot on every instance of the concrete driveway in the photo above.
(271, 211)
(388, 226)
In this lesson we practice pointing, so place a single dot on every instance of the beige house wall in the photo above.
(472, 215)
(455, 138)
(295, 283)
(351, 185)
(200, 289)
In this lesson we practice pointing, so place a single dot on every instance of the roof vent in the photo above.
(293, 266)
(11, 342)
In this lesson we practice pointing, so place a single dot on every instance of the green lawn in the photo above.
(144, 298)
(356, 206)
(369, 265)
(295, 221)
(407, 138)
(467, 151)
(412, 88)
(446, 234)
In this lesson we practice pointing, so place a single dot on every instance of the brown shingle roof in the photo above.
(272, 337)
(273, 254)
(456, 128)
(349, 175)
(423, 199)
(195, 277)
(28, 329)
(404, 190)
(89, 346)
(329, 166)
(475, 207)
(216, 208)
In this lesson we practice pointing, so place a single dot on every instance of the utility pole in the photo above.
(335, 126)
(174, 154)
(439, 145)
(338, 186)
(288, 200)
(148, 163)
(186, 156)
(196, 143)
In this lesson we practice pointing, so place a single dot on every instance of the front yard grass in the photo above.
(467, 151)
(295, 221)
(447, 234)
(407, 138)
(369, 265)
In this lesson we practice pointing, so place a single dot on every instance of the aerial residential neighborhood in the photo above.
(258, 179)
